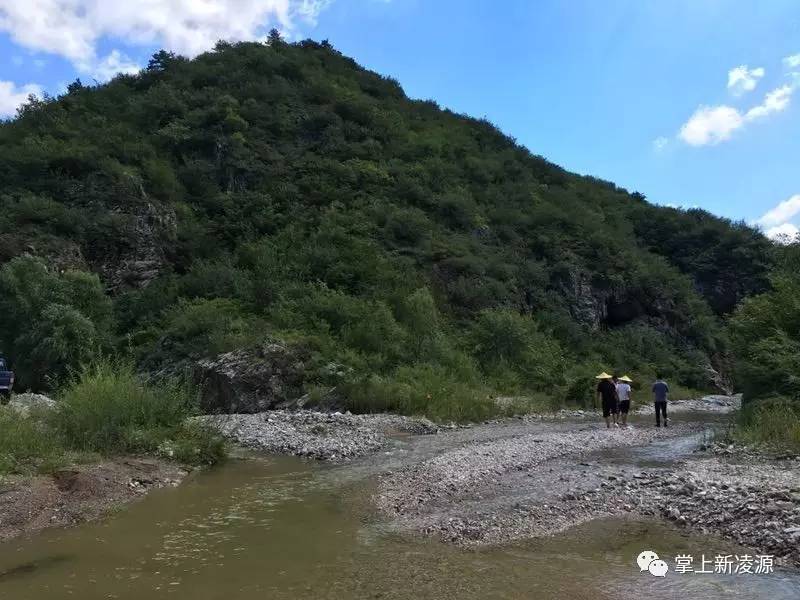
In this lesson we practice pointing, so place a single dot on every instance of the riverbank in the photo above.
(485, 484)
(81, 493)
(555, 476)
(713, 404)
(336, 436)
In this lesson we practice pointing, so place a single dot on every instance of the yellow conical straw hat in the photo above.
(603, 375)
(626, 379)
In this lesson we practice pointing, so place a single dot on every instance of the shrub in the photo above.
(27, 444)
(60, 339)
(421, 390)
(765, 336)
(408, 226)
(51, 322)
(505, 340)
(198, 328)
(418, 313)
(216, 279)
(581, 387)
(774, 421)
(193, 444)
(106, 408)
(458, 210)
(366, 326)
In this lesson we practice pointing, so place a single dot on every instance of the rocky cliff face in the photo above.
(587, 304)
(150, 225)
(250, 381)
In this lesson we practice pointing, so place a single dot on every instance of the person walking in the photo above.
(607, 395)
(660, 395)
(624, 395)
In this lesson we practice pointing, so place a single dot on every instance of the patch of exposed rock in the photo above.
(756, 505)
(319, 435)
(152, 225)
(251, 381)
(714, 403)
(25, 403)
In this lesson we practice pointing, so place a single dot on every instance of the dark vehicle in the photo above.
(6, 381)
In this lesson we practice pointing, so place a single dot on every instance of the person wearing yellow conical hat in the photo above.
(624, 395)
(607, 395)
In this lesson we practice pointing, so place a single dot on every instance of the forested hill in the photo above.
(280, 191)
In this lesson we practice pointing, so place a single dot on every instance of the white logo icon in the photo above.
(649, 561)
(645, 558)
(658, 568)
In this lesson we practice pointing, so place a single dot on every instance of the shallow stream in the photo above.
(275, 528)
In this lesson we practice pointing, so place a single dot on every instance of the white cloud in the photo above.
(711, 125)
(775, 101)
(12, 95)
(792, 62)
(106, 68)
(742, 79)
(782, 213)
(785, 233)
(660, 143)
(776, 221)
(72, 28)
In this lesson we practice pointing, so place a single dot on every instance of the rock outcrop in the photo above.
(152, 226)
(252, 380)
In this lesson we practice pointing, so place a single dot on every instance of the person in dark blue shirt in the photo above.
(660, 395)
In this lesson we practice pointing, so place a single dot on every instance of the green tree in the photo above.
(419, 315)
(504, 339)
(53, 322)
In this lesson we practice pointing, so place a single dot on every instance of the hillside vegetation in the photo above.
(765, 332)
(422, 259)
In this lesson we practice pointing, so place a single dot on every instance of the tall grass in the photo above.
(421, 390)
(106, 409)
(774, 422)
(28, 444)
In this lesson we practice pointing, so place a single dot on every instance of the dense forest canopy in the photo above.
(281, 192)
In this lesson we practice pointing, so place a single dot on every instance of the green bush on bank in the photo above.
(433, 391)
(28, 444)
(765, 335)
(774, 422)
(106, 409)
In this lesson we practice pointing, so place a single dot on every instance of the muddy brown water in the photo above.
(277, 527)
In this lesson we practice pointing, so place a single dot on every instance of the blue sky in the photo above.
(691, 102)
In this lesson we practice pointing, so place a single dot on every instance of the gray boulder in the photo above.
(252, 380)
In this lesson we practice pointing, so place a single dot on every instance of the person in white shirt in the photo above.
(624, 394)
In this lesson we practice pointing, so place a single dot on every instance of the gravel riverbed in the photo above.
(531, 477)
(539, 484)
(323, 436)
